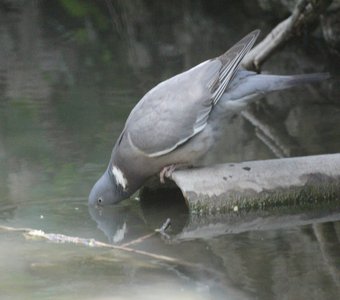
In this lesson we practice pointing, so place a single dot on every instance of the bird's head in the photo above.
(109, 189)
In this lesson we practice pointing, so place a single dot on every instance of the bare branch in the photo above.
(305, 13)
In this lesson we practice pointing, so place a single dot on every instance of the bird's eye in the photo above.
(100, 200)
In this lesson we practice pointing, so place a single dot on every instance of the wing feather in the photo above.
(179, 108)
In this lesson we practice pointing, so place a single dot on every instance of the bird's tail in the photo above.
(249, 86)
(269, 83)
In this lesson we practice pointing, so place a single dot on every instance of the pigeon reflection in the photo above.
(122, 224)
(119, 223)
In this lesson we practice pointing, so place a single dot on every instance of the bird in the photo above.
(179, 121)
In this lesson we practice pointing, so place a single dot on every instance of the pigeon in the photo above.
(178, 121)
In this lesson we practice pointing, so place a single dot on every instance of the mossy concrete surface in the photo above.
(260, 184)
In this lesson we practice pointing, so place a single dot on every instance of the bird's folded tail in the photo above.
(249, 86)
(269, 83)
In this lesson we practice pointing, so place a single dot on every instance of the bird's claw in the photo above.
(166, 173)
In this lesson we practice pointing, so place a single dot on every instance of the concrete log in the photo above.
(259, 184)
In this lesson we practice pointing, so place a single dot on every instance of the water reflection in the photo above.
(120, 224)
(68, 79)
(242, 252)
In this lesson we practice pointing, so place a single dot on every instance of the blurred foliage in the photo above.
(86, 9)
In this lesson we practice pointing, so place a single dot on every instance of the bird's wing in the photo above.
(177, 109)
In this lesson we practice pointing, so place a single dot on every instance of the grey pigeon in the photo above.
(179, 120)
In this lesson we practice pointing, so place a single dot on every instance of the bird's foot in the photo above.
(166, 172)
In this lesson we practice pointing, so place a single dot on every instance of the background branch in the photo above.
(305, 13)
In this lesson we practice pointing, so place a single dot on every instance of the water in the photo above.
(68, 79)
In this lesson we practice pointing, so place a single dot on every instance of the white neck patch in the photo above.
(120, 234)
(120, 178)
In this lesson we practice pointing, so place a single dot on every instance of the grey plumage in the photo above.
(173, 123)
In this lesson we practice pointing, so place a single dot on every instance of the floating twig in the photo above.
(32, 234)
(160, 230)
(139, 240)
(165, 226)
(19, 229)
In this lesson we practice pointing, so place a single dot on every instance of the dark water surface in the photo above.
(69, 77)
